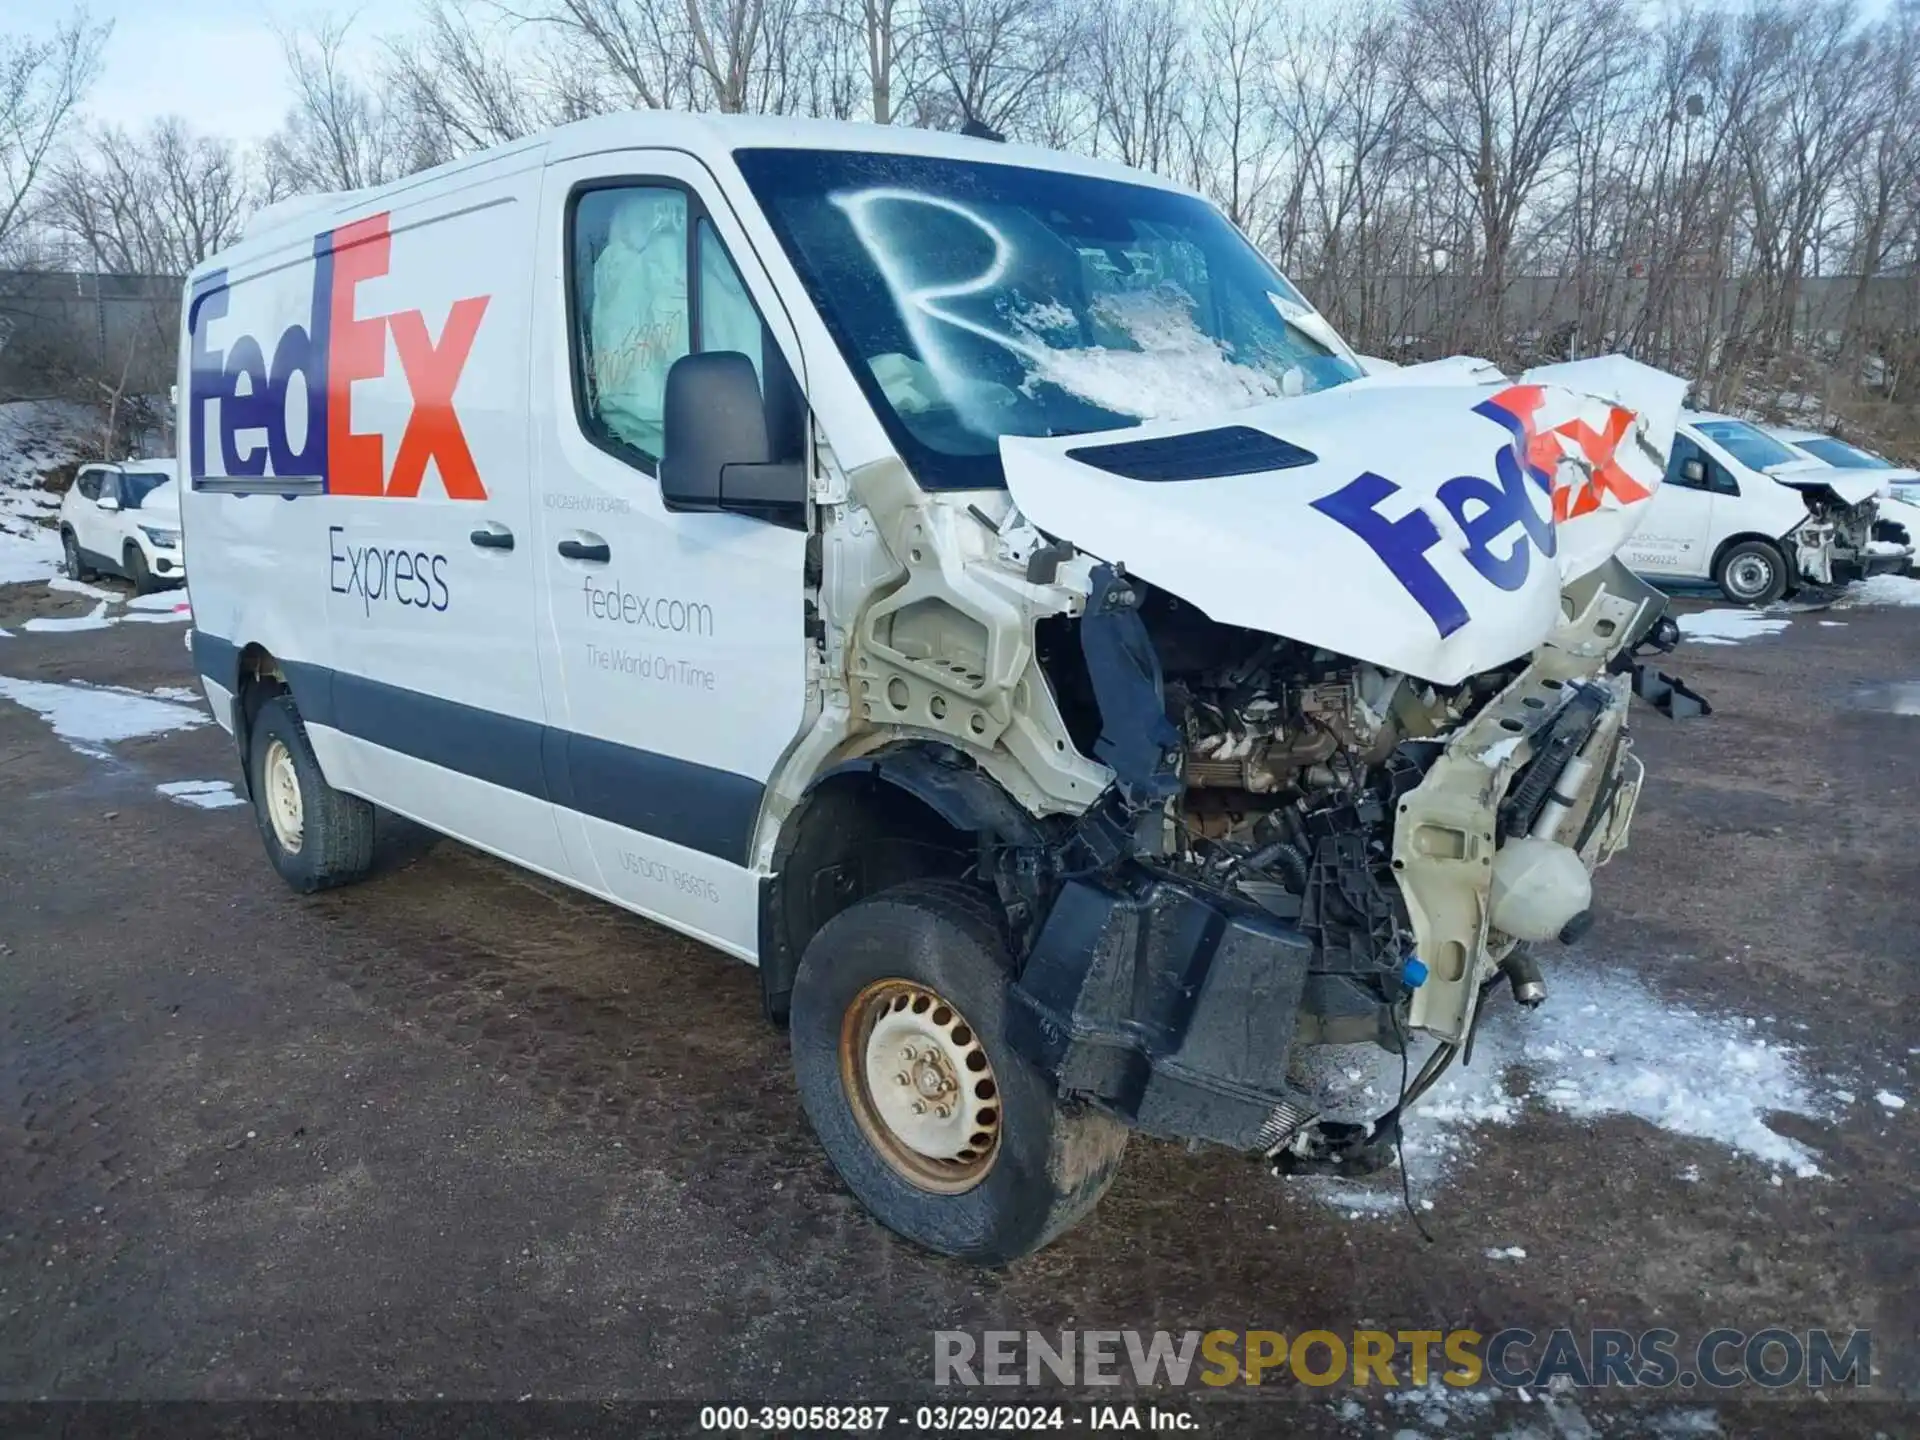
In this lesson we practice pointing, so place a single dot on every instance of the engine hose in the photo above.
(1291, 859)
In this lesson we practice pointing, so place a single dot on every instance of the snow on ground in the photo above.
(28, 551)
(1730, 627)
(1890, 1100)
(36, 436)
(1883, 590)
(94, 619)
(1604, 1044)
(89, 717)
(201, 794)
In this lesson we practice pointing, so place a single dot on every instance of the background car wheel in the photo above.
(1753, 572)
(316, 836)
(137, 571)
(943, 1132)
(76, 567)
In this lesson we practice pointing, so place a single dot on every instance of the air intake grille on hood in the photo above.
(1204, 455)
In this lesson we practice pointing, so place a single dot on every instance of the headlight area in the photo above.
(161, 537)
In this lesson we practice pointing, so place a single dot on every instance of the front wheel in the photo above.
(1754, 572)
(76, 567)
(316, 836)
(139, 572)
(940, 1129)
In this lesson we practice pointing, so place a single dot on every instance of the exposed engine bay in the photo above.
(1844, 540)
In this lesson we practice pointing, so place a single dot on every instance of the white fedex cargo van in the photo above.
(833, 542)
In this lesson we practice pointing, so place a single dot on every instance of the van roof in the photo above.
(705, 135)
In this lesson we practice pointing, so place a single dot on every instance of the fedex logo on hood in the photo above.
(241, 395)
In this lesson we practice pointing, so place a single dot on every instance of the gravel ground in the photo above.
(459, 1132)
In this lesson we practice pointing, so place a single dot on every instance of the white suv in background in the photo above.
(124, 520)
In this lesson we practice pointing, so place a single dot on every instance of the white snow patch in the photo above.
(1444, 1409)
(87, 717)
(201, 794)
(80, 587)
(1833, 624)
(1605, 1044)
(1730, 627)
(94, 619)
(1511, 1252)
(28, 552)
(1883, 590)
(1890, 1100)
(1177, 371)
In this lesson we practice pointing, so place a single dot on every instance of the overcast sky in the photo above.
(218, 63)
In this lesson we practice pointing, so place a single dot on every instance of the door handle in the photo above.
(493, 537)
(594, 550)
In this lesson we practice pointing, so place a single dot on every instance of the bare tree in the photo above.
(460, 86)
(1141, 80)
(343, 132)
(1500, 82)
(993, 61)
(41, 83)
(153, 204)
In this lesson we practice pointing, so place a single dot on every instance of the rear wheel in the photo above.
(316, 836)
(76, 567)
(945, 1133)
(137, 571)
(1753, 572)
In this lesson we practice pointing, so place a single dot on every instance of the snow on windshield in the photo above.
(1150, 359)
(1174, 372)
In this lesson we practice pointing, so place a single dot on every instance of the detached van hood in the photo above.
(1423, 522)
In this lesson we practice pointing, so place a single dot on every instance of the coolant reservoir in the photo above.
(1538, 886)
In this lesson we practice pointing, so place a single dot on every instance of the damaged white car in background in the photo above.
(1758, 519)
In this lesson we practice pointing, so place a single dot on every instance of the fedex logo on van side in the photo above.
(248, 391)
(1497, 513)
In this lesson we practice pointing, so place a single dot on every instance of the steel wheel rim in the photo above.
(282, 785)
(1750, 575)
(906, 1055)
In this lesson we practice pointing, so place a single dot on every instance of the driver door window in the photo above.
(632, 249)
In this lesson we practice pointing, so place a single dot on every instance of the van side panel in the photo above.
(374, 374)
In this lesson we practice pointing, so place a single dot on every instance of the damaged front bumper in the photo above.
(1179, 1008)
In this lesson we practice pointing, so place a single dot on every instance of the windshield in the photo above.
(1844, 456)
(136, 485)
(1751, 446)
(974, 301)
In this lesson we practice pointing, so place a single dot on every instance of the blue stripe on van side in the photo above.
(688, 804)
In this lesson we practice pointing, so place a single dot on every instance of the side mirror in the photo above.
(1694, 472)
(717, 452)
(107, 502)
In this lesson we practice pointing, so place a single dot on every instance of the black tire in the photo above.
(1054, 1160)
(76, 567)
(137, 571)
(1753, 572)
(334, 843)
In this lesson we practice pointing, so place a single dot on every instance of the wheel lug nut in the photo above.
(919, 1108)
(942, 1111)
(906, 1052)
(901, 1079)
